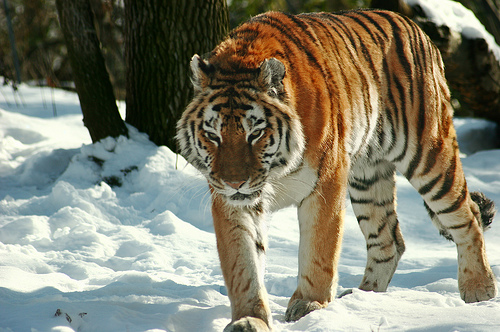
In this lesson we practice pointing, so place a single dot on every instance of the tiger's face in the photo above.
(239, 131)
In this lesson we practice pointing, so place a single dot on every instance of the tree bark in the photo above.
(100, 113)
(160, 39)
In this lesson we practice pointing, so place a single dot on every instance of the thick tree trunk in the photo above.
(100, 113)
(160, 39)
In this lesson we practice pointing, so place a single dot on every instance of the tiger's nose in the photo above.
(235, 184)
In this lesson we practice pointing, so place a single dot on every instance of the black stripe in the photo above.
(379, 129)
(399, 44)
(384, 203)
(401, 111)
(360, 185)
(194, 108)
(369, 246)
(287, 140)
(391, 113)
(268, 113)
(426, 188)
(368, 15)
(217, 107)
(243, 107)
(361, 201)
(368, 29)
(385, 260)
(199, 115)
(192, 128)
(421, 109)
(421, 51)
(381, 227)
(271, 142)
(457, 204)
(467, 224)
(279, 124)
(245, 33)
(371, 201)
(362, 218)
(432, 156)
(415, 161)
(213, 97)
(448, 180)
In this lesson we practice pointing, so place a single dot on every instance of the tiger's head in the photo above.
(239, 130)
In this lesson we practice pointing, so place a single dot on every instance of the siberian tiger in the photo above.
(303, 109)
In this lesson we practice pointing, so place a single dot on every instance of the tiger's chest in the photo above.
(293, 188)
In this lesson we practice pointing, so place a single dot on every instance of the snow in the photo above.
(458, 18)
(117, 236)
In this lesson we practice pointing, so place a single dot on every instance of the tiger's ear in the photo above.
(201, 71)
(272, 72)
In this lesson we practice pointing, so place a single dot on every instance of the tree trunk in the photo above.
(100, 113)
(160, 39)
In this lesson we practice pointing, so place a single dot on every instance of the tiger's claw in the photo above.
(300, 308)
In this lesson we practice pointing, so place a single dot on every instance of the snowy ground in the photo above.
(117, 236)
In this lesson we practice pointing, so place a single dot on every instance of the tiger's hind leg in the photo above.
(459, 215)
(372, 191)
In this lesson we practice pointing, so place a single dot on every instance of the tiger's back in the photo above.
(303, 109)
(352, 67)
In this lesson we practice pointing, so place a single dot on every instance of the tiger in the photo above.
(307, 110)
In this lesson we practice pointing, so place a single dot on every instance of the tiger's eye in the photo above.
(255, 135)
(212, 136)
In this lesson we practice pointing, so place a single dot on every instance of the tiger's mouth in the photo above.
(245, 199)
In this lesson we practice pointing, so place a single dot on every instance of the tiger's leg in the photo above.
(441, 182)
(321, 218)
(241, 243)
(372, 191)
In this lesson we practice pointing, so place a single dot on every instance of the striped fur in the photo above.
(301, 110)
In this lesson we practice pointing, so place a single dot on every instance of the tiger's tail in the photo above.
(486, 208)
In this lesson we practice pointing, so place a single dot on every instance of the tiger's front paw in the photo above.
(300, 308)
(247, 324)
